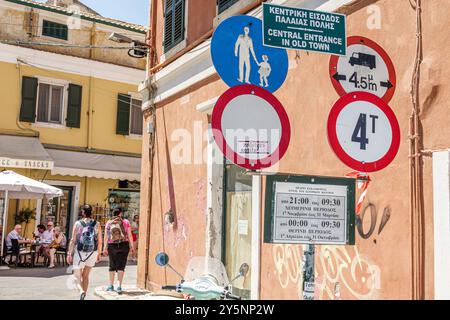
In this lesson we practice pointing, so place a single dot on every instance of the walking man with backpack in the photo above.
(85, 248)
(117, 246)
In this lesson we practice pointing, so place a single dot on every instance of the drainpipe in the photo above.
(416, 175)
(152, 135)
(90, 112)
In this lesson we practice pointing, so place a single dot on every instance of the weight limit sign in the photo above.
(363, 132)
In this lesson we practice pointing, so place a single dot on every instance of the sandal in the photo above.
(83, 296)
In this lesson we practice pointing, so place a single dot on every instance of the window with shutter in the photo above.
(223, 5)
(174, 23)
(123, 114)
(74, 106)
(29, 98)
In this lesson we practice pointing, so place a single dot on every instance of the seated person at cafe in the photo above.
(14, 234)
(58, 241)
(40, 231)
(48, 234)
(45, 240)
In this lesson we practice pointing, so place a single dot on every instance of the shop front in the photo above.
(104, 181)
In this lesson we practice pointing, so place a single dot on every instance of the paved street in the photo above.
(56, 284)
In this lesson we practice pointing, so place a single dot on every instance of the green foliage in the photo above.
(25, 215)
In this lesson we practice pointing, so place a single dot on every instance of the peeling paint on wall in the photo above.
(200, 195)
(175, 238)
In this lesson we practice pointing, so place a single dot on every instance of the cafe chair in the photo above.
(46, 261)
(17, 253)
(6, 253)
(61, 256)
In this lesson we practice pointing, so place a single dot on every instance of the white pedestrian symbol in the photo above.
(243, 48)
(264, 71)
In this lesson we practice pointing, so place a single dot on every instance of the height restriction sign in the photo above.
(366, 67)
(363, 132)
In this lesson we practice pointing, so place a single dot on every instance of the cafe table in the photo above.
(33, 246)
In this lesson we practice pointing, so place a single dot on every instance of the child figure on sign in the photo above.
(264, 71)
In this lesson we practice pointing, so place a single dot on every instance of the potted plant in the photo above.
(25, 215)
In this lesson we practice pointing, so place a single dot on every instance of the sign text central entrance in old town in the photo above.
(302, 29)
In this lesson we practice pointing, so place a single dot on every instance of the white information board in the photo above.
(311, 213)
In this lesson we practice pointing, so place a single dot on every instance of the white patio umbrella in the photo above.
(16, 186)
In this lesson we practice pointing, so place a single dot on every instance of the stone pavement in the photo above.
(133, 293)
(55, 284)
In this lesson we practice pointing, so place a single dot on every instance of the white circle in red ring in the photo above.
(226, 101)
(334, 141)
(359, 40)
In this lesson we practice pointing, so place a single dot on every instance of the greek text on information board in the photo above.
(310, 213)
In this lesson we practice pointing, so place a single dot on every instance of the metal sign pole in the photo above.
(308, 273)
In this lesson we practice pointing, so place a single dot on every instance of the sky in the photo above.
(134, 11)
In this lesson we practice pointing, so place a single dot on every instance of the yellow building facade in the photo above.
(72, 121)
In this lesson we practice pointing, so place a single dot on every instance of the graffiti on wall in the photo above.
(337, 268)
(372, 210)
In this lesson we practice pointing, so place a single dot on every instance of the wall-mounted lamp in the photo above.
(139, 49)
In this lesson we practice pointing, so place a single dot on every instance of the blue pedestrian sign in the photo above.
(239, 56)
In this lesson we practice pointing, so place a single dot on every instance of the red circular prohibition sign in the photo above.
(375, 46)
(216, 123)
(334, 141)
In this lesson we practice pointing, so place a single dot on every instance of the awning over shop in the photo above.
(23, 152)
(92, 165)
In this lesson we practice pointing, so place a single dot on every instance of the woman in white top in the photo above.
(58, 241)
(86, 247)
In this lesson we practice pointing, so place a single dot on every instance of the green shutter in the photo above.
(123, 114)
(178, 27)
(174, 24)
(168, 25)
(224, 5)
(74, 106)
(29, 96)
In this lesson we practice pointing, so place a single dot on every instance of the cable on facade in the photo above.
(45, 68)
(64, 45)
(61, 28)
